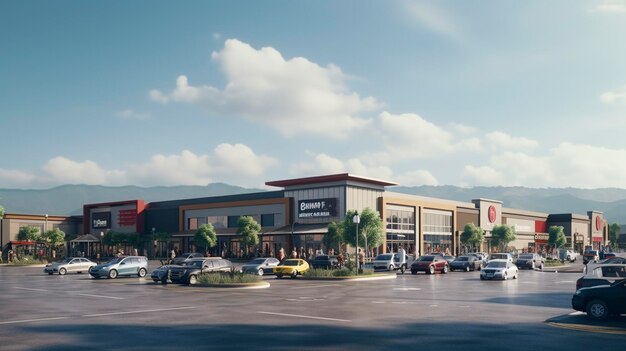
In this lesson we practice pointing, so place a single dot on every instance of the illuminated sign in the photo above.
(101, 220)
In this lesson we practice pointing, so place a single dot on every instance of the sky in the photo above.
(164, 93)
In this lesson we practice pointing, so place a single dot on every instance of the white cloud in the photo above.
(611, 6)
(132, 114)
(503, 141)
(617, 97)
(294, 96)
(416, 178)
(325, 164)
(61, 170)
(10, 178)
(567, 165)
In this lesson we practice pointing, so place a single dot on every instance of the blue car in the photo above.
(121, 266)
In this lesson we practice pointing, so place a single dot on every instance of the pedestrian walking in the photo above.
(361, 258)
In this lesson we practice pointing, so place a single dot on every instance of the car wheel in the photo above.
(431, 270)
(413, 272)
(597, 309)
(505, 276)
(142, 272)
(445, 269)
(193, 279)
(278, 276)
(467, 269)
(390, 268)
(532, 266)
(260, 272)
(294, 274)
(62, 271)
(402, 269)
(112, 274)
(482, 278)
(541, 267)
(49, 273)
(155, 280)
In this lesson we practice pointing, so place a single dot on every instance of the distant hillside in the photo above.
(69, 199)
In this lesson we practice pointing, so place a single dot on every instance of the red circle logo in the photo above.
(598, 223)
(492, 214)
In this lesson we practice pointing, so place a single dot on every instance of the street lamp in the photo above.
(356, 220)
(101, 244)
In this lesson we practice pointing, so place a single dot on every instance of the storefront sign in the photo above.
(598, 223)
(541, 237)
(317, 208)
(101, 220)
(492, 214)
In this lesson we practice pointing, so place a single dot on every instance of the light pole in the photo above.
(356, 220)
(101, 244)
(153, 243)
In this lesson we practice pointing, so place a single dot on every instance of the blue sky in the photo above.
(528, 93)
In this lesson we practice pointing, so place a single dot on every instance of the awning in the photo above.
(321, 228)
(85, 238)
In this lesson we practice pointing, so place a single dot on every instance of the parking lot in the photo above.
(452, 311)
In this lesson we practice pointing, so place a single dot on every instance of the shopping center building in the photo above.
(298, 213)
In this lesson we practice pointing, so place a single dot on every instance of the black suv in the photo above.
(601, 301)
(188, 273)
(325, 261)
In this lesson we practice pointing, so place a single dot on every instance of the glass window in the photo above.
(267, 220)
(193, 224)
(232, 221)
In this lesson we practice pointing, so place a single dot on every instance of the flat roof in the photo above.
(328, 179)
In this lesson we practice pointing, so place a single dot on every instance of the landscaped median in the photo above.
(231, 280)
(345, 274)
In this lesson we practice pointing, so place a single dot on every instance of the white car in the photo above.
(69, 265)
(499, 269)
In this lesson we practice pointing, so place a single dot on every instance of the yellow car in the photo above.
(291, 267)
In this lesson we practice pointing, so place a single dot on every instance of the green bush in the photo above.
(329, 273)
(227, 278)
(26, 260)
(552, 263)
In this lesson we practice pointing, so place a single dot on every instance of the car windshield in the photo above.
(258, 261)
(526, 257)
(462, 258)
(115, 260)
(496, 265)
(67, 260)
(290, 263)
(384, 257)
(194, 264)
(427, 258)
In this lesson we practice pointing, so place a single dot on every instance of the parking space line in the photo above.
(313, 286)
(102, 296)
(137, 312)
(34, 320)
(302, 316)
(31, 289)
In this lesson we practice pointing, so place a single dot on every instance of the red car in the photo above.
(430, 264)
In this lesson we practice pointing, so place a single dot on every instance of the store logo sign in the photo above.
(317, 208)
(598, 223)
(491, 213)
(100, 219)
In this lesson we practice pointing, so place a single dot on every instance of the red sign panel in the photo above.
(492, 214)
(597, 239)
(598, 223)
(127, 218)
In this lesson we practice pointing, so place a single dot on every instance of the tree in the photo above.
(29, 234)
(370, 224)
(1, 212)
(472, 235)
(614, 230)
(249, 230)
(334, 236)
(205, 236)
(53, 237)
(556, 236)
(501, 235)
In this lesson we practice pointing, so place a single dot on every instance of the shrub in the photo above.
(328, 273)
(26, 260)
(227, 278)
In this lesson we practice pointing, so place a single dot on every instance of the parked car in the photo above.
(607, 255)
(188, 273)
(600, 302)
(70, 265)
(159, 274)
(481, 256)
(530, 261)
(120, 266)
(291, 267)
(449, 258)
(613, 260)
(391, 262)
(591, 256)
(186, 257)
(260, 266)
(501, 256)
(325, 262)
(567, 255)
(499, 269)
(430, 264)
(466, 263)
(604, 274)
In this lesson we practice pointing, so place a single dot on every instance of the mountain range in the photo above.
(69, 199)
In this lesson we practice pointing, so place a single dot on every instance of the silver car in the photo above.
(260, 266)
(69, 265)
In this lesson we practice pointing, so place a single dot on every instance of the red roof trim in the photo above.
(328, 179)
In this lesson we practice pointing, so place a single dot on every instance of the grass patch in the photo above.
(227, 278)
(26, 260)
(330, 273)
(552, 263)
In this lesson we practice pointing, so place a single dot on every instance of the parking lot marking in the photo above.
(140, 311)
(31, 289)
(301, 316)
(105, 297)
(313, 286)
(577, 313)
(34, 320)
(407, 289)
(378, 302)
